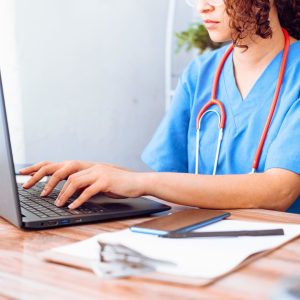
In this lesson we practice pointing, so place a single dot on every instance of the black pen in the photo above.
(268, 232)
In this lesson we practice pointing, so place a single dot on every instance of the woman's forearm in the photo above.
(272, 190)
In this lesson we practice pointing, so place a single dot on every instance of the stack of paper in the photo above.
(202, 258)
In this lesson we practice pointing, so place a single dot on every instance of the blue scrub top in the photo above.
(172, 148)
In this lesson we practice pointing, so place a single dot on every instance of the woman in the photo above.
(246, 88)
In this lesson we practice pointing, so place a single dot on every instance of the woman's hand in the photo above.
(101, 178)
(91, 177)
(59, 171)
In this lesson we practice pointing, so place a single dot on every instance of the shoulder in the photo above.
(207, 61)
(293, 69)
(201, 69)
(294, 57)
(293, 63)
(288, 105)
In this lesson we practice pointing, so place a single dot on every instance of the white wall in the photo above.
(83, 79)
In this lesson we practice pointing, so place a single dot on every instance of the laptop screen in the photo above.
(9, 201)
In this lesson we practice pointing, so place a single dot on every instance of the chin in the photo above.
(219, 37)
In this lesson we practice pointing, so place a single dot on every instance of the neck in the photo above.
(261, 51)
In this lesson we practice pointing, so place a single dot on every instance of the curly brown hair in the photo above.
(251, 17)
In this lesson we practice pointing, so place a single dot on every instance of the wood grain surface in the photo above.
(23, 275)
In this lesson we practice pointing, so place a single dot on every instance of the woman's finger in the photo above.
(56, 177)
(73, 185)
(42, 172)
(34, 168)
(86, 195)
(73, 176)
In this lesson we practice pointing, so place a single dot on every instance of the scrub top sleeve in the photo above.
(284, 152)
(167, 151)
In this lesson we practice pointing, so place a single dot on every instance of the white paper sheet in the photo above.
(195, 257)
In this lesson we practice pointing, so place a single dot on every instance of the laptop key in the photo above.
(52, 215)
(45, 207)
(75, 212)
(65, 214)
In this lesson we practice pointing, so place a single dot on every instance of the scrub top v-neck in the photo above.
(172, 148)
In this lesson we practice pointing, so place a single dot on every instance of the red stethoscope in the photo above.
(222, 115)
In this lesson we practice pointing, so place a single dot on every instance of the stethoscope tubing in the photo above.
(274, 103)
(220, 137)
(222, 115)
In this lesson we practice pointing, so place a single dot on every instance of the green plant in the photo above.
(196, 36)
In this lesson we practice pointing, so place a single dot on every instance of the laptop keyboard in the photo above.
(44, 207)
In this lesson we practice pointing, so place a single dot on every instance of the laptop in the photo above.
(26, 209)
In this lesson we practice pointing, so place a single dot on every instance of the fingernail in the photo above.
(25, 185)
(43, 193)
(57, 202)
(71, 206)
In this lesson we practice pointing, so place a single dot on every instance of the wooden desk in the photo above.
(23, 275)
